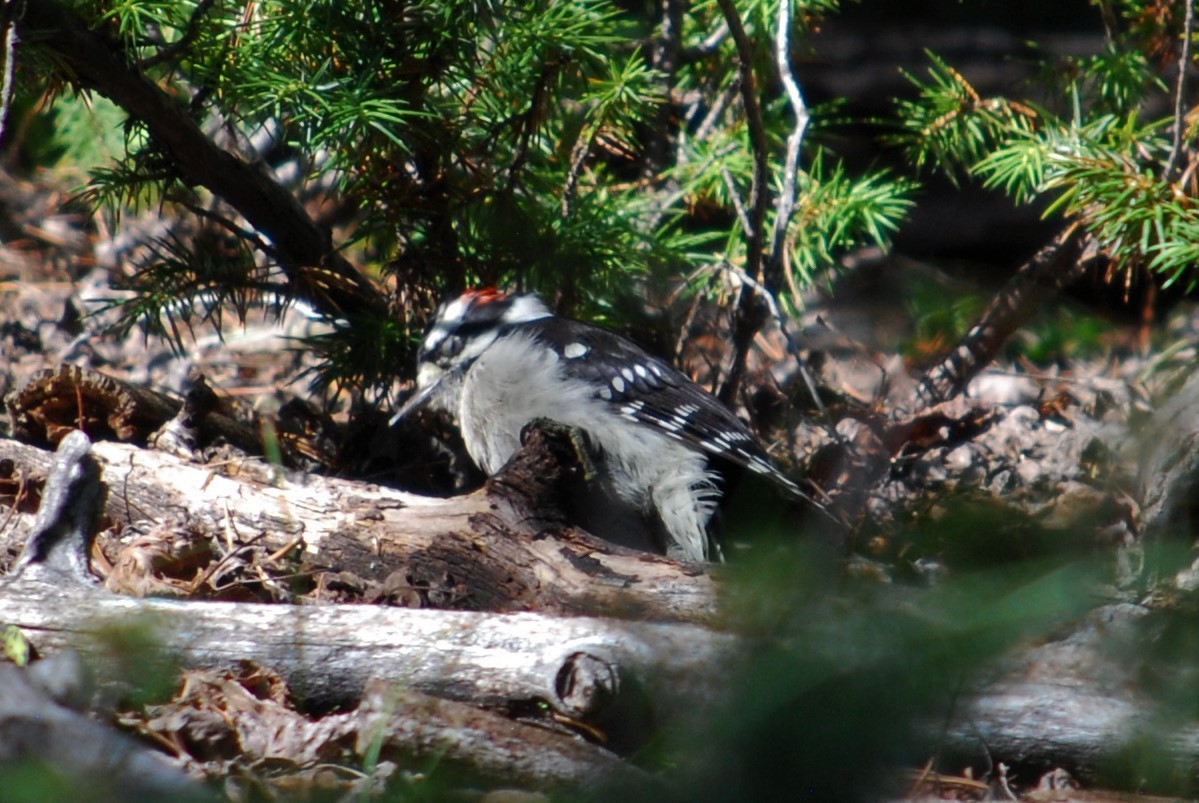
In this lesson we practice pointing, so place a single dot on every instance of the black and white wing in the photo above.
(651, 392)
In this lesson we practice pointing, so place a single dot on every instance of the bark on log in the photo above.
(604, 678)
(52, 571)
(579, 666)
(502, 548)
(1071, 701)
(1169, 466)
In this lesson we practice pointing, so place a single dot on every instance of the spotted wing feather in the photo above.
(651, 392)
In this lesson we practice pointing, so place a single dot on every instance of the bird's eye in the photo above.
(451, 346)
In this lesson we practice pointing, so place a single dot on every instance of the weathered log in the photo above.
(408, 724)
(577, 666)
(37, 727)
(1071, 701)
(244, 717)
(86, 754)
(504, 547)
(595, 675)
(327, 653)
(1169, 465)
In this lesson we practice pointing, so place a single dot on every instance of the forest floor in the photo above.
(1051, 435)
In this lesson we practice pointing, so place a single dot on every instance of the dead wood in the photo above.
(243, 717)
(408, 725)
(110, 765)
(1063, 261)
(1169, 465)
(604, 678)
(35, 723)
(1071, 701)
(56, 401)
(502, 548)
(578, 667)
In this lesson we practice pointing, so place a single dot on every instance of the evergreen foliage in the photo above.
(1096, 151)
(576, 148)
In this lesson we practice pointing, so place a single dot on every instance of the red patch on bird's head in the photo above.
(484, 295)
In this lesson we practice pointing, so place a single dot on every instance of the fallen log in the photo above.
(504, 547)
(1071, 701)
(576, 666)
(90, 755)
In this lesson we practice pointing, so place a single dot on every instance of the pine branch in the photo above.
(316, 272)
(184, 42)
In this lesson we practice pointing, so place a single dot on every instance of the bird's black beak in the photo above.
(418, 400)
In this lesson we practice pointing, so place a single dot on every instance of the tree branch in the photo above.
(773, 277)
(1057, 265)
(1184, 58)
(750, 313)
(10, 15)
(316, 272)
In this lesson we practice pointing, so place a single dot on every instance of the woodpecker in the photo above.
(498, 362)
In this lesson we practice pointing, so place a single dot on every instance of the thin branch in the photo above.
(249, 235)
(786, 200)
(780, 319)
(747, 225)
(12, 11)
(1184, 59)
(751, 312)
(707, 47)
(316, 272)
(757, 138)
(189, 35)
(1064, 260)
(665, 59)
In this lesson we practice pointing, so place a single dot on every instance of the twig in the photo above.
(757, 138)
(1188, 27)
(189, 35)
(786, 200)
(707, 47)
(792, 347)
(12, 11)
(664, 58)
(248, 235)
(17, 499)
(1064, 260)
(1184, 59)
(751, 313)
(747, 225)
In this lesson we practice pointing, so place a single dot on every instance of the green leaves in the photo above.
(1094, 159)
(574, 147)
(950, 126)
(835, 212)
